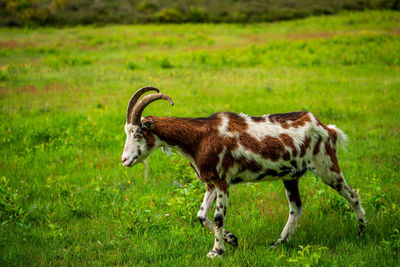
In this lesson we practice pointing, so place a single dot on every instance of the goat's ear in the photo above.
(148, 124)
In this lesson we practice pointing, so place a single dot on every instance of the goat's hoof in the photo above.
(362, 226)
(215, 253)
(278, 242)
(231, 239)
(274, 244)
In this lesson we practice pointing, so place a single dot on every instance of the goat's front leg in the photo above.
(202, 215)
(219, 217)
(208, 201)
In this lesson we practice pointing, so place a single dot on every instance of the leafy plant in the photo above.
(165, 63)
(11, 203)
(308, 255)
(4, 73)
(169, 15)
(131, 65)
(186, 198)
(375, 197)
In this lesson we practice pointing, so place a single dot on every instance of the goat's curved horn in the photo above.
(140, 106)
(135, 98)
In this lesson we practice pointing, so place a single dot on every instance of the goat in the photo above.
(228, 148)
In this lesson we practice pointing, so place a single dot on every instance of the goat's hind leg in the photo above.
(334, 178)
(353, 198)
(293, 196)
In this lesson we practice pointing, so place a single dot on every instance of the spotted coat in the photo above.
(229, 148)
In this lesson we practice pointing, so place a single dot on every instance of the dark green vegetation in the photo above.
(74, 12)
(66, 199)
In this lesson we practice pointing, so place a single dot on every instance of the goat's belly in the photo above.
(266, 175)
(253, 179)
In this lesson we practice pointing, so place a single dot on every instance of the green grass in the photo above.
(66, 199)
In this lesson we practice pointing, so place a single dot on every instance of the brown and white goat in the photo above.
(228, 148)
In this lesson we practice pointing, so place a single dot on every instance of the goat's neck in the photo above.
(184, 134)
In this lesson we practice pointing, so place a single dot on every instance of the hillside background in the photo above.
(76, 12)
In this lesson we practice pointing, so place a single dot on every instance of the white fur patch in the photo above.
(220, 158)
(223, 129)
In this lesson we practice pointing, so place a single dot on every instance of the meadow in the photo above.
(65, 198)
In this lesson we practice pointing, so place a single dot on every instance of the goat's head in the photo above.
(136, 149)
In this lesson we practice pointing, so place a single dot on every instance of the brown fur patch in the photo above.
(317, 146)
(198, 138)
(294, 153)
(259, 119)
(293, 119)
(184, 132)
(332, 154)
(332, 135)
(284, 117)
(272, 148)
(236, 123)
(331, 132)
(285, 125)
(227, 161)
(304, 146)
(222, 185)
(301, 121)
(269, 148)
(289, 142)
(150, 138)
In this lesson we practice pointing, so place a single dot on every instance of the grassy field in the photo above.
(65, 199)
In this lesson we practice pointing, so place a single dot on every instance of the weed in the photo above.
(165, 63)
(308, 255)
(11, 203)
(131, 66)
(375, 197)
(4, 74)
(186, 198)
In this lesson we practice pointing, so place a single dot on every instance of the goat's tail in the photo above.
(341, 136)
(330, 132)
